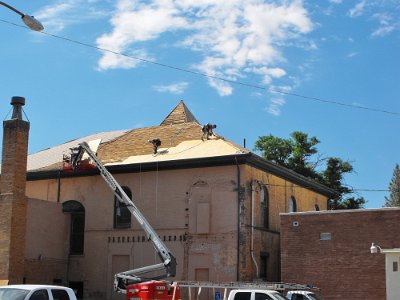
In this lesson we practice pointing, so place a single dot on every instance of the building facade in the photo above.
(215, 204)
(331, 250)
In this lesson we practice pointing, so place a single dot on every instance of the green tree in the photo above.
(394, 188)
(300, 154)
(293, 153)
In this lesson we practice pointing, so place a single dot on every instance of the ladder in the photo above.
(276, 286)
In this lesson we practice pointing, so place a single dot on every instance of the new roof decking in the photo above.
(187, 150)
(136, 142)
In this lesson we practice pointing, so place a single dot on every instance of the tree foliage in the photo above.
(300, 154)
(394, 189)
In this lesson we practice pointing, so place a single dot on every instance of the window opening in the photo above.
(263, 266)
(122, 215)
(292, 204)
(77, 226)
(264, 207)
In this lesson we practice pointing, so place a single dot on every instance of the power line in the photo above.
(352, 190)
(250, 85)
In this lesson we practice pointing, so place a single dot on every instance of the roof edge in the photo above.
(234, 159)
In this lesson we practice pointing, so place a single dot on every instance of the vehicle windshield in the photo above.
(13, 294)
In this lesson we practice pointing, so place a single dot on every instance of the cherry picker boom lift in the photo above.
(123, 279)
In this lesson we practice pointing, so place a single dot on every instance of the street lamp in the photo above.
(29, 21)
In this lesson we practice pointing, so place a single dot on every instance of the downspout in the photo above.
(238, 224)
(252, 225)
(58, 186)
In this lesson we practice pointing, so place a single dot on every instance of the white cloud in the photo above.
(382, 31)
(278, 100)
(386, 25)
(358, 9)
(57, 16)
(175, 88)
(336, 1)
(233, 36)
(352, 54)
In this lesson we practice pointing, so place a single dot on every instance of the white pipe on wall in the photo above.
(253, 182)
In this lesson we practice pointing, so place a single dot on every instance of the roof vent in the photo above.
(17, 102)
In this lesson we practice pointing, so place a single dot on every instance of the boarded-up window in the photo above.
(203, 274)
(203, 218)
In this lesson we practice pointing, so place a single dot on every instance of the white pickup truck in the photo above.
(252, 294)
(36, 292)
(301, 295)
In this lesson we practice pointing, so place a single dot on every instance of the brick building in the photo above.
(331, 250)
(215, 204)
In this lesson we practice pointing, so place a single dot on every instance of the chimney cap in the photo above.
(17, 100)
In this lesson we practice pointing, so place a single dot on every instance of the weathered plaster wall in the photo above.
(47, 242)
(194, 211)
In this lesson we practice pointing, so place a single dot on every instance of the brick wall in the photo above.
(13, 204)
(342, 266)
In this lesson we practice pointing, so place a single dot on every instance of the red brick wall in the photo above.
(343, 267)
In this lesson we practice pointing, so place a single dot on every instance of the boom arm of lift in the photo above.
(132, 276)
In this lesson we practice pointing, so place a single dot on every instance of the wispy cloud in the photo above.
(175, 88)
(386, 25)
(352, 54)
(358, 9)
(235, 38)
(58, 16)
(277, 100)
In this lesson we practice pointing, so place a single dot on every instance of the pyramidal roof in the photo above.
(180, 134)
(180, 114)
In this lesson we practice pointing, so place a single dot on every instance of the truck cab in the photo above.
(36, 292)
(255, 295)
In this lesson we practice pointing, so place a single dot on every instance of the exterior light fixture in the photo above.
(374, 248)
(29, 21)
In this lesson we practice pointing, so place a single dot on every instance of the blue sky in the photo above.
(346, 53)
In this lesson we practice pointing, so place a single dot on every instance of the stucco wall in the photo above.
(194, 210)
(46, 242)
(204, 215)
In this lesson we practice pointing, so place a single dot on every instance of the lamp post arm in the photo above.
(29, 21)
(12, 8)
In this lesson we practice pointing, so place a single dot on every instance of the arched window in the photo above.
(292, 204)
(77, 226)
(122, 215)
(264, 207)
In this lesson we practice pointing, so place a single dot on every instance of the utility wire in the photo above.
(250, 85)
(352, 190)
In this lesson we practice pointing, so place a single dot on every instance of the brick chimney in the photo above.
(13, 201)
